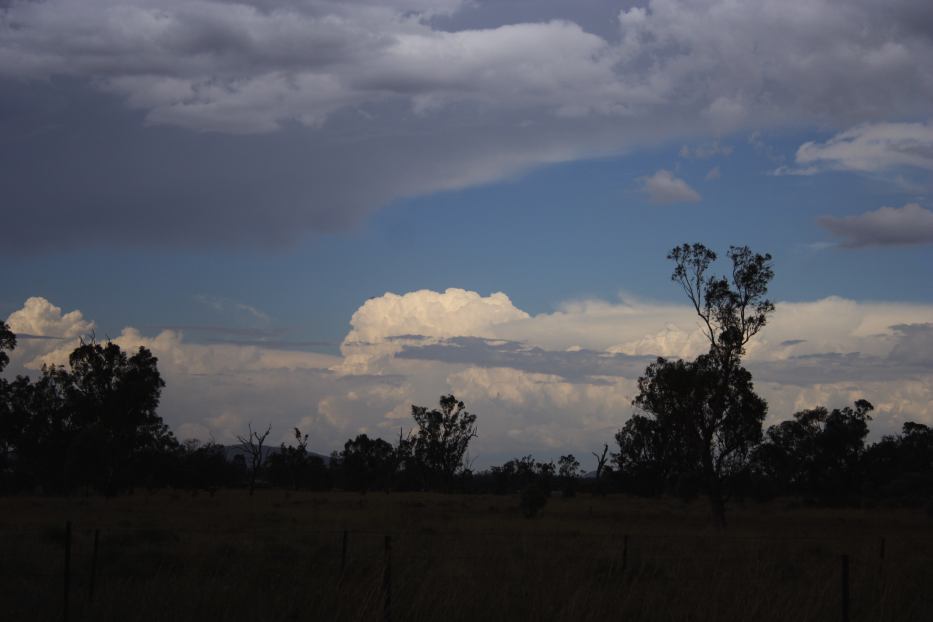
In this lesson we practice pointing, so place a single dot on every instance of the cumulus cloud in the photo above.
(663, 188)
(411, 97)
(553, 382)
(41, 318)
(885, 226)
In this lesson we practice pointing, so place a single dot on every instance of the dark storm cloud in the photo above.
(40, 337)
(911, 356)
(886, 226)
(199, 122)
(915, 345)
(581, 366)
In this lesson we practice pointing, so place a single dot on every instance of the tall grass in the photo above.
(277, 556)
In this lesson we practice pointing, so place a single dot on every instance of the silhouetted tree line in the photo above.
(697, 430)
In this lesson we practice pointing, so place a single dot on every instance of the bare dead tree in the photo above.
(252, 446)
(600, 467)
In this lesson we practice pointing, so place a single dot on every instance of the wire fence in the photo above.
(88, 556)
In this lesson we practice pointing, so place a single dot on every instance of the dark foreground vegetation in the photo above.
(284, 555)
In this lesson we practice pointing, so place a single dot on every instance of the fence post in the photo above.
(624, 553)
(93, 580)
(845, 588)
(387, 581)
(343, 551)
(881, 559)
(67, 570)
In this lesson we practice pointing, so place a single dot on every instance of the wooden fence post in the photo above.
(67, 570)
(343, 551)
(881, 559)
(93, 579)
(845, 588)
(387, 581)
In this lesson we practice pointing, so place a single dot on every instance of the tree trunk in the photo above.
(718, 508)
(717, 502)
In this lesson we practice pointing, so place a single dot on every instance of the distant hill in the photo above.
(231, 451)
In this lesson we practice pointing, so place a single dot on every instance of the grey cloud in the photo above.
(384, 100)
(407, 338)
(828, 368)
(792, 342)
(705, 151)
(911, 356)
(41, 337)
(272, 344)
(578, 366)
(886, 226)
(915, 345)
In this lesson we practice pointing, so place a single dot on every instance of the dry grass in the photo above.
(277, 556)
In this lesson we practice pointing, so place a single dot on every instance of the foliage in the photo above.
(252, 448)
(705, 416)
(534, 498)
(568, 469)
(368, 464)
(93, 424)
(7, 343)
(694, 428)
(294, 466)
(817, 453)
(441, 441)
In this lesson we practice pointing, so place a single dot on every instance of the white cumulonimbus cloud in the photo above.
(548, 383)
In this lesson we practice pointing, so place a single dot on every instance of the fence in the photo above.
(625, 560)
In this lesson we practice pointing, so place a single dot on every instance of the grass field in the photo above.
(279, 556)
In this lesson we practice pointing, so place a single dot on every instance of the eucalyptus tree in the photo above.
(440, 443)
(705, 413)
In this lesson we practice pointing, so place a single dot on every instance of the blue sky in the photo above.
(271, 196)
(566, 231)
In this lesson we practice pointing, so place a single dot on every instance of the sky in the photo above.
(317, 213)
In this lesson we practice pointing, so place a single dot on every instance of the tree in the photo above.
(252, 448)
(93, 423)
(701, 431)
(601, 459)
(368, 464)
(39, 429)
(901, 467)
(295, 466)
(7, 343)
(568, 468)
(112, 399)
(709, 406)
(645, 461)
(203, 466)
(818, 452)
(733, 309)
(442, 439)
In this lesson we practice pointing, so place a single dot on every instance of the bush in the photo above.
(533, 500)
